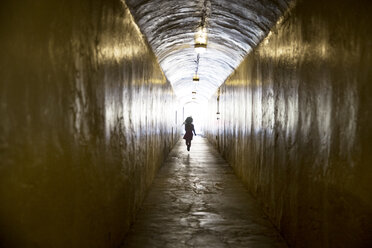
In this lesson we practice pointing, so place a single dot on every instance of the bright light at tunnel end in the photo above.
(199, 112)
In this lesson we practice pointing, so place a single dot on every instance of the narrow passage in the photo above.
(197, 201)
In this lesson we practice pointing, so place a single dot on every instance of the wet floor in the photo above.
(197, 201)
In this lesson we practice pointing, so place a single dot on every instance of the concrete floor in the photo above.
(197, 201)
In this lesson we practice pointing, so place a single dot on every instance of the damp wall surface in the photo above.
(296, 124)
(86, 118)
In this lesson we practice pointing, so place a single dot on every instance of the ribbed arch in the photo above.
(234, 28)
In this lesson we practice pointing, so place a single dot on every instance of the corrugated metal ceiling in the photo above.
(233, 27)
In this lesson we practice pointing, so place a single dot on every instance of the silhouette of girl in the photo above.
(189, 128)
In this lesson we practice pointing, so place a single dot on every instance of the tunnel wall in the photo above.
(87, 117)
(296, 124)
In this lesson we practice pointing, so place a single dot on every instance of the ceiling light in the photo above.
(201, 40)
(195, 78)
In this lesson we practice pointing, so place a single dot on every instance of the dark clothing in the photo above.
(189, 128)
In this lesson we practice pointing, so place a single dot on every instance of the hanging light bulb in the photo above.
(195, 78)
(201, 40)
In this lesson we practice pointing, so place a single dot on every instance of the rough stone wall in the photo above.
(296, 124)
(86, 118)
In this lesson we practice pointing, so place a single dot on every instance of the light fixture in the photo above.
(194, 92)
(201, 40)
(195, 78)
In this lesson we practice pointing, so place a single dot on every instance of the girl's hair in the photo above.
(189, 120)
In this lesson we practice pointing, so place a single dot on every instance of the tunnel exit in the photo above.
(200, 113)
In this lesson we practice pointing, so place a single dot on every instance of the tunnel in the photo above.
(94, 95)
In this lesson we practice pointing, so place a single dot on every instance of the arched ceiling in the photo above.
(234, 27)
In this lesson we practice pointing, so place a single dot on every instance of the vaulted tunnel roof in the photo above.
(234, 27)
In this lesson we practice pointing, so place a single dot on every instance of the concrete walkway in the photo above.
(197, 201)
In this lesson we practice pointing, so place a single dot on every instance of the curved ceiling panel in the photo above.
(233, 27)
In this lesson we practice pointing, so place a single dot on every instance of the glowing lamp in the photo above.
(195, 78)
(201, 40)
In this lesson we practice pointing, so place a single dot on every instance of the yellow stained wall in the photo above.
(296, 124)
(86, 118)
